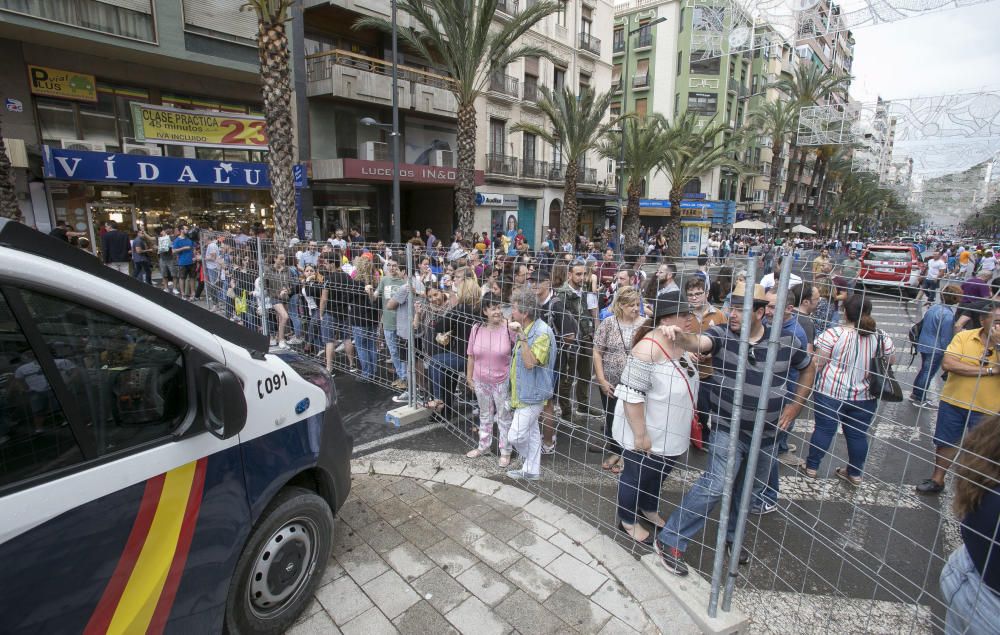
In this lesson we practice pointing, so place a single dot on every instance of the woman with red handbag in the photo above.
(655, 415)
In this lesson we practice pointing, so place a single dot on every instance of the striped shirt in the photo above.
(845, 377)
(726, 358)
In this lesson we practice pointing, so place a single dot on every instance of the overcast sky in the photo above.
(957, 50)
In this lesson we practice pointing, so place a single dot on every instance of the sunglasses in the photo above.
(686, 366)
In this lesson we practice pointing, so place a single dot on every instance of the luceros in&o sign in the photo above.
(159, 124)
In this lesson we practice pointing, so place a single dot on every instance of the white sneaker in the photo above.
(519, 475)
(176, 292)
(295, 341)
(402, 398)
(339, 348)
(274, 342)
(283, 345)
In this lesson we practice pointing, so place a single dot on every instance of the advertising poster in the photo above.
(160, 124)
(504, 220)
(52, 82)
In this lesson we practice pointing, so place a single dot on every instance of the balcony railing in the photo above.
(616, 84)
(507, 6)
(640, 81)
(735, 86)
(505, 84)
(590, 43)
(320, 66)
(587, 176)
(501, 164)
(557, 172)
(618, 44)
(644, 39)
(531, 169)
(532, 93)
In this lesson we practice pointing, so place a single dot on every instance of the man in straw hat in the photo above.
(722, 342)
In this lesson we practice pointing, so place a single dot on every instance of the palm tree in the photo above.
(8, 199)
(578, 126)
(646, 143)
(777, 120)
(459, 37)
(274, 54)
(808, 86)
(694, 150)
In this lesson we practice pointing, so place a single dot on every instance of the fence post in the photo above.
(734, 424)
(758, 430)
(263, 289)
(411, 374)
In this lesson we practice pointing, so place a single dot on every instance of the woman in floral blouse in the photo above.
(612, 342)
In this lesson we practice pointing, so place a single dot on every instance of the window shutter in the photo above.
(586, 13)
(531, 66)
(139, 6)
(221, 16)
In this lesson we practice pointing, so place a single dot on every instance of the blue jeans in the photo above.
(364, 342)
(437, 371)
(764, 493)
(639, 484)
(392, 345)
(930, 363)
(294, 303)
(214, 291)
(689, 518)
(972, 606)
(143, 271)
(854, 418)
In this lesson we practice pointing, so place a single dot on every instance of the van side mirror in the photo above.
(222, 405)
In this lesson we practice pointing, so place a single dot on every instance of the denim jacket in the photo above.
(535, 386)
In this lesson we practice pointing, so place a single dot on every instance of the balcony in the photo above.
(590, 44)
(640, 81)
(616, 84)
(644, 39)
(735, 86)
(618, 44)
(504, 84)
(509, 7)
(532, 94)
(587, 176)
(531, 169)
(347, 75)
(557, 172)
(501, 165)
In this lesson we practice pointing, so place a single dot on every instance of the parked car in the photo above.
(886, 267)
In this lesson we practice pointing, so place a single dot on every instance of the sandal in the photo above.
(610, 462)
(658, 523)
(616, 468)
(435, 404)
(504, 460)
(807, 471)
(474, 454)
(842, 474)
(649, 538)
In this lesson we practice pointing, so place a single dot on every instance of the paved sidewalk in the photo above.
(427, 550)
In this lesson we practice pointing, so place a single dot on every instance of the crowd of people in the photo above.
(538, 344)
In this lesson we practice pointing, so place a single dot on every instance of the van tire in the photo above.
(303, 522)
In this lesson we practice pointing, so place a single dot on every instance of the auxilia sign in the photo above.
(382, 171)
(159, 124)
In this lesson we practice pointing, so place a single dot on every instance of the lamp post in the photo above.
(619, 228)
(393, 134)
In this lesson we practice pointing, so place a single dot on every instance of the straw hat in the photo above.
(740, 290)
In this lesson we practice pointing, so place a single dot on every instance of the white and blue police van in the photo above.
(160, 470)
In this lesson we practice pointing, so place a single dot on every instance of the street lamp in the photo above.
(620, 229)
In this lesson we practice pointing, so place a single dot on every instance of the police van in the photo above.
(160, 470)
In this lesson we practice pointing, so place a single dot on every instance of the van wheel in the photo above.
(281, 564)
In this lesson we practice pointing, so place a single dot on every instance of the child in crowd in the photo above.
(487, 373)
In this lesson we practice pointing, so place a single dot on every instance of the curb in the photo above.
(662, 604)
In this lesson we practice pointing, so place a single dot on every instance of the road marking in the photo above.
(396, 437)
(790, 612)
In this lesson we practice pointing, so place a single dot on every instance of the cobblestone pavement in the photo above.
(425, 550)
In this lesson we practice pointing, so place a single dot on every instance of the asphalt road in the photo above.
(830, 559)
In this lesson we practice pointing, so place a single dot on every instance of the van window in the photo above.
(129, 383)
(34, 435)
(893, 255)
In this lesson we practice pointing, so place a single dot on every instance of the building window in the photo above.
(528, 147)
(677, 103)
(680, 62)
(640, 108)
(616, 109)
(693, 186)
(703, 103)
(616, 77)
(498, 136)
(708, 66)
(681, 21)
(586, 23)
(558, 78)
(584, 81)
(561, 13)
(98, 122)
(56, 120)
(134, 21)
(641, 78)
(618, 38)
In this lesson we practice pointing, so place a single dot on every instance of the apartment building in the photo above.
(665, 63)
(145, 112)
(523, 175)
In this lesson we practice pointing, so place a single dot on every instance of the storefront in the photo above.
(87, 189)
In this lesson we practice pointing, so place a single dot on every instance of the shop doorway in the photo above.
(123, 214)
(345, 218)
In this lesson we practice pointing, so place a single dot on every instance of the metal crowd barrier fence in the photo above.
(832, 531)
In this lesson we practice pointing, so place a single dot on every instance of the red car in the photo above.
(890, 266)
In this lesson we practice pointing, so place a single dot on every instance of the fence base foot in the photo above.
(405, 415)
(692, 593)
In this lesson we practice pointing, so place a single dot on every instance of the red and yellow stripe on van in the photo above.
(141, 591)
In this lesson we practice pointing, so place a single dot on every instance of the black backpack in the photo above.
(914, 337)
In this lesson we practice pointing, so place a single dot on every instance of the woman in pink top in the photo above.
(488, 373)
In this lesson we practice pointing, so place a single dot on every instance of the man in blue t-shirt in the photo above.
(183, 248)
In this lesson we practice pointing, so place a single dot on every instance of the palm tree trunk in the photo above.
(793, 151)
(8, 198)
(465, 186)
(774, 187)
(672, 230)
(793, 203)
(273, 51)
(818, 168)
(632, 221)
(570, 212)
